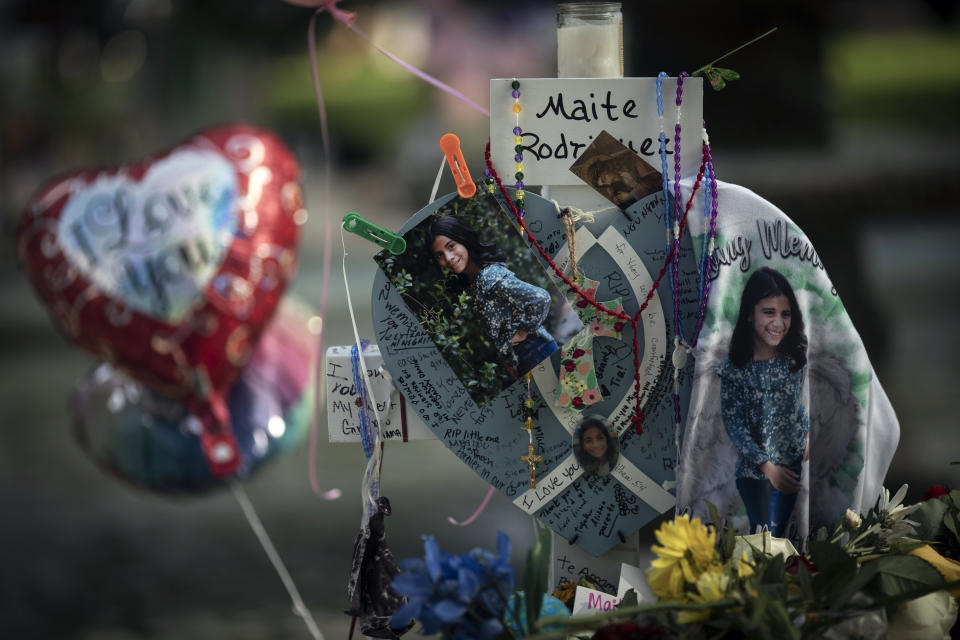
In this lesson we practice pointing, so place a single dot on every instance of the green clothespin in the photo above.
(395, 244)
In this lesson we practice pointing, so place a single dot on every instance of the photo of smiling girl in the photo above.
(480, 295)
(594, 446)
(761, 385)
(513, 311)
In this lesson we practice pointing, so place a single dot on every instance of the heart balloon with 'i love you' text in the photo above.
(170, 268)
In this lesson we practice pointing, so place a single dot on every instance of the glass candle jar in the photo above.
(589, 40)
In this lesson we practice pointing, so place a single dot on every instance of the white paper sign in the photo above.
(560, 117)
(588, 601)
(570, 562)
(632, 577)
(343, 421)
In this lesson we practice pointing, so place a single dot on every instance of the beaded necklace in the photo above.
(518, 146)
(491, 178)
(531, 459)
(681, 347)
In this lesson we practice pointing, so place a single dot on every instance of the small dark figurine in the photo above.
(372, 599)
(594, 446)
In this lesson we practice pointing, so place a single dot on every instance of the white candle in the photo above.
(589, 40)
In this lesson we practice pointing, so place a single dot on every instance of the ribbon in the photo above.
(483, 505)
(348, 19)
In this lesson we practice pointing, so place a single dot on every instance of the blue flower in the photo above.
(462, 596)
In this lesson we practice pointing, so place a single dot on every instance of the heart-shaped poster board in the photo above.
(170, 268)
(474, 401)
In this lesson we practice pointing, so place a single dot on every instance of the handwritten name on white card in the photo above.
(343, 400)
(587, 601)
(560, 117)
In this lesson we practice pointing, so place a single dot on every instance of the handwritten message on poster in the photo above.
(594, 512)
(559, 118)
(343, 400)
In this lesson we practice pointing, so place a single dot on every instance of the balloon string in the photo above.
(325, 274)
(483, 505)
(251, 515)
(347, 19)
(436, 183)
(372, 475)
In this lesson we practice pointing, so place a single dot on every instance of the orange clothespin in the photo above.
(450, 145)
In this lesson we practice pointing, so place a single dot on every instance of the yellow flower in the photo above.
(687, 551)
(711, 586)
(565, 591)
(744, 568)
(949, 569)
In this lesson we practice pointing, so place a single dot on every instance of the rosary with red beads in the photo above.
(517, 209)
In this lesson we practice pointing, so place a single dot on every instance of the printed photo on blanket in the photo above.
(787, 425)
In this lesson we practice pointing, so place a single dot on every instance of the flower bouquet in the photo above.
(891, 572)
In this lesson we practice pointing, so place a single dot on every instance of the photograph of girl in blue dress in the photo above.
(482, 296)
(761, 399)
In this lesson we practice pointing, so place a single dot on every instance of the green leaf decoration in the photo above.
(805, 581)
(773, 573)
(828, 556)
(899, 575)
(835, 571)
(728, 74)
(779, 619)
(714, 514)
(718, 76)
(535, 577)
(905, 547)
(715, 78)
(929, 519)
(629, 599)
(727, 536)
(728, 541)
(853, 585)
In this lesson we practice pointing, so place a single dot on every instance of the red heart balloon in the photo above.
(171, 267)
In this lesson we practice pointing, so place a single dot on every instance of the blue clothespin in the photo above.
(390, 241)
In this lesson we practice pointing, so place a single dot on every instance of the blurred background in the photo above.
(846, 118)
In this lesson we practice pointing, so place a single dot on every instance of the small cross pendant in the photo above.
(532, 461)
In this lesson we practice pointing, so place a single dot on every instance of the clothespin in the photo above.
(395, 244)
(450, 145)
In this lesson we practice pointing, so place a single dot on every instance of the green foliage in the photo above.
(850, 574)
(726, 537)
(535, 575)
(939, 522)
(718, 76)
(442, 301)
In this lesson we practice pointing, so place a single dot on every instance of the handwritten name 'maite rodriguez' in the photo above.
(604, 110)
